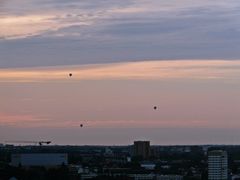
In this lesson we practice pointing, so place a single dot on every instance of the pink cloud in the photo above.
(25, 120)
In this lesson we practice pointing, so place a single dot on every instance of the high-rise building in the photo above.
(141, 148)
(217, 165)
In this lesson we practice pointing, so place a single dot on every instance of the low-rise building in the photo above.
(39, 159)
(169, 177)
(148, 165)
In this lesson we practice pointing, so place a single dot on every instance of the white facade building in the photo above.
(217, 165)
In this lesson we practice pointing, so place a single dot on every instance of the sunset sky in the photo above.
(126, 57)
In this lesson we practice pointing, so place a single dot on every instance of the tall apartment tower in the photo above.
(217, 165)
(141, 148)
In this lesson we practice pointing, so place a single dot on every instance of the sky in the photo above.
(126, 57)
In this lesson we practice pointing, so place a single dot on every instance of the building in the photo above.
(141, 148)
(169, 177)
(143, 176)
(217, 165)
(155, 176)
(39, 159)
(148, 165)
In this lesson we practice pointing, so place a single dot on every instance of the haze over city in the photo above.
(125, 58)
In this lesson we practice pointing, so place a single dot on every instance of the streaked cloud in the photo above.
(15, 27)
(124, 59)
(22, 120)
(94, 32)
(181, 69)
(24, 24)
